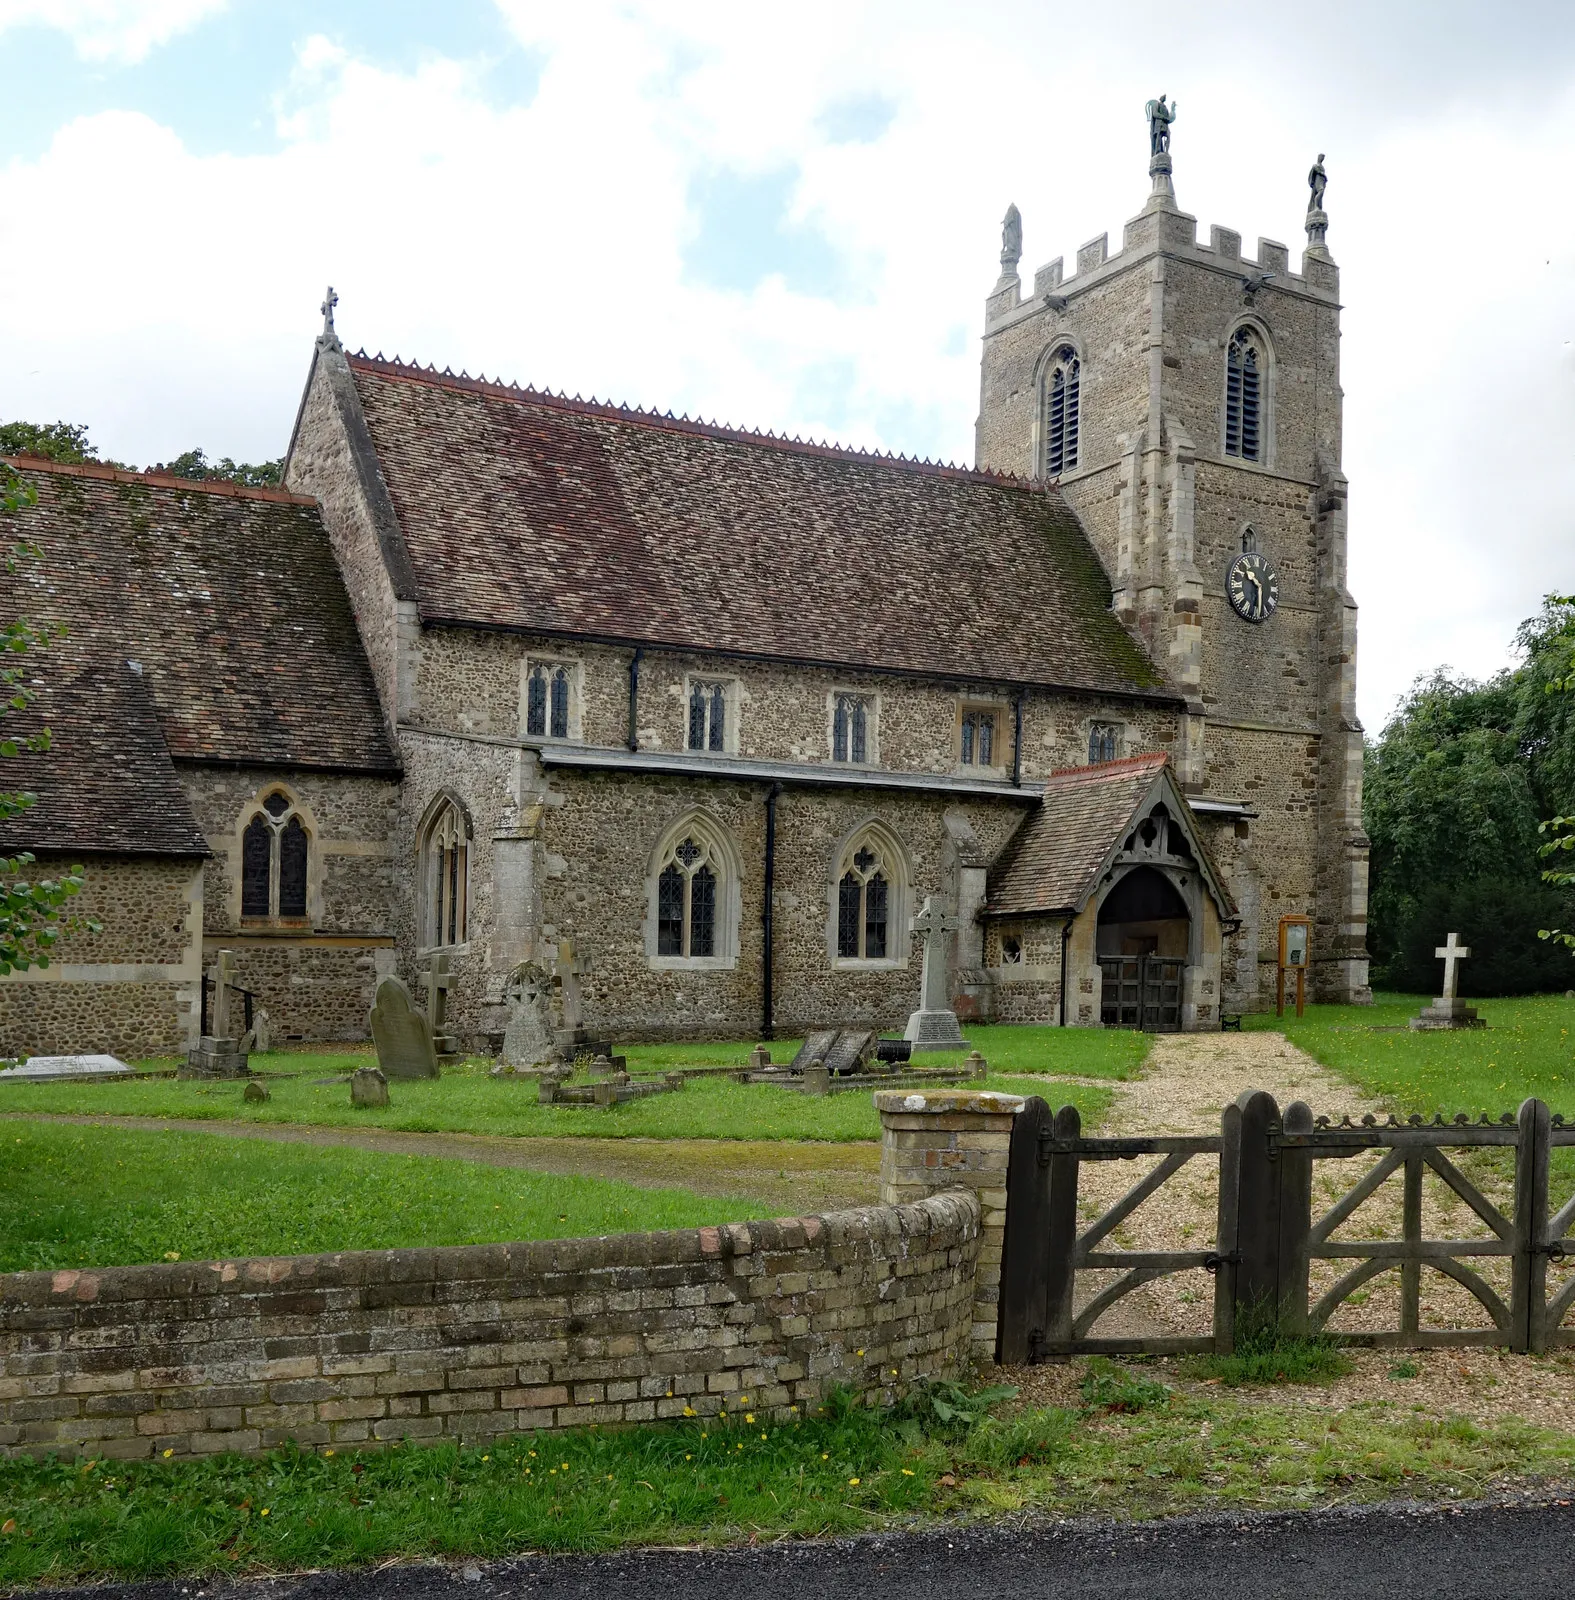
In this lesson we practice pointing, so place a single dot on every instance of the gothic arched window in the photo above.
(445, 860)
(869, 893)
(547, 688)
(850, 728)
(686, 901)
(274, 857)
(1104, 742)
(1062, 408)
(1244, 368)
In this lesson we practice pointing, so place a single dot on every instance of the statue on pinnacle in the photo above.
(1160, 117)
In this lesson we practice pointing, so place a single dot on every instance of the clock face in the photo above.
(1253, 587)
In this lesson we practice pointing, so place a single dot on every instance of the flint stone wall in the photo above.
(466, 1343)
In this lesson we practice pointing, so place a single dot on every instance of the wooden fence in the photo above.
(1266, 1235)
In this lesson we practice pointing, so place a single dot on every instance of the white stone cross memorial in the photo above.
(1451, 952)
(223, 975)
(934, 1025)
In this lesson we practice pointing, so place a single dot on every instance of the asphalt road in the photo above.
(1514, 1550)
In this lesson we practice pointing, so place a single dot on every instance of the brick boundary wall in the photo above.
(472, 1341)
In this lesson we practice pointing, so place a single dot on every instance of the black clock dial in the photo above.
(1253, 587)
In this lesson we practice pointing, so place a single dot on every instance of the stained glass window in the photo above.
(863, 907)
(1243, 396)
(687, 902)
(274, 859)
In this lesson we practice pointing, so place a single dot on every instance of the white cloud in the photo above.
(118, 31)
(171, 300)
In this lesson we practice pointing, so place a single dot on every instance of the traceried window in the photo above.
(850, 728)
(864, 907)
(1062, 411)
(1244, 367)
(707, 715)
(445, 848)
(687, 901)
(978, 737)
(547, 687)
(1104, 742)
(274, 850)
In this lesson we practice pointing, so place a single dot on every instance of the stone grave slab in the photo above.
(401, 1034)
(816, 1047)
(43, 1069)
(847, 1053)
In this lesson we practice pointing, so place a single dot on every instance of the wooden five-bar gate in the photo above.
(1266, 1236)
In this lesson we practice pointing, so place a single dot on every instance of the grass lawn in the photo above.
(1527, 1048)
(75, 1196)
(1131, 1449)
(467, 1100)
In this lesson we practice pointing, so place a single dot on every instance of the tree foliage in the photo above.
(69, 442)
(1461, 788)
(31, 909)
(194, 464)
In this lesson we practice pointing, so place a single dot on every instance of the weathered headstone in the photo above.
(934, 1025)
(262, 1031)
(219, 1053)
(256, 1091)
(1448, 1011)
(817, 1078)
(527, 1041)
(848, 1052)
(44, 1069)
(814, 1048)
(369, 1086)
(400, 1032)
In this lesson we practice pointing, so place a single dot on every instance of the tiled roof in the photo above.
(230, 599)
(106, 783)
(1056, 856)
(533, 512)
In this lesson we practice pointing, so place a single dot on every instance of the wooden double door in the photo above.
(1141, 992)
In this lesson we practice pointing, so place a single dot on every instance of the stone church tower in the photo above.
(1187, 401)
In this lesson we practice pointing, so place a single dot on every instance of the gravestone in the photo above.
(400, 1032)
(934, 1025)
(567, 969)
(817, 1078)
(220, 1053)
(815, 1048)
(437, 981)
(1448, 1011)
(47, 1069)
(369, 1086)
(255, 1091)
(528, 1041)
(262, 1031)
(848, 1051)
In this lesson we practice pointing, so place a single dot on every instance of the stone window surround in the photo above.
(726, 861)
(1266, 393)
(576, 670)
(1065, 339)
(898, 870)
(1123, 736)
(442, 804)
(314, 860)
(1000, 762)
(732, 700)
(871, 699)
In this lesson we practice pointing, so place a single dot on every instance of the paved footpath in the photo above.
(1520, 1550)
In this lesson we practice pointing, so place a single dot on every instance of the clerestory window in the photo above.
(1062, 409)
(274, 851)
(1104, 742)
(978, 741)
(686, 901)
(1244, 368)
(548, 685)
(850, 728)
(707, 715)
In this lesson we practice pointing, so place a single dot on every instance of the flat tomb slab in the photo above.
(44, 1068)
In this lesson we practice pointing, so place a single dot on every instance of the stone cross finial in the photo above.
(327, 309)
(1451, 953)
(437, 983)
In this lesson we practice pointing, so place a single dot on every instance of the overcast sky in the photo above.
(788, 217)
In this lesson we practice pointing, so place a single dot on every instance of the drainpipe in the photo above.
(768, 1018)
(1066, 936)
(634, 699)
(1017, 742)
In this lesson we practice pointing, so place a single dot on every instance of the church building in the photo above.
(498, 675)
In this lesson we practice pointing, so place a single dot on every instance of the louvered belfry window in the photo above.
(1244, 397)
(1063, 384)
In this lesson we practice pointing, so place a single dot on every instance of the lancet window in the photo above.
(547, 688)
(445, 860)
(274, 856)
(850, 728)
(707, 715)
(1244, 368)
